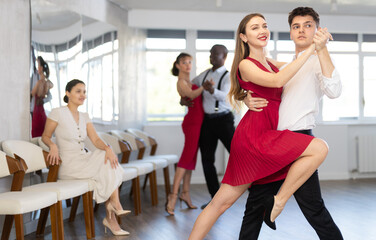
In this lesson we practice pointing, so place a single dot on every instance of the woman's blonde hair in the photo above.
(242, 51)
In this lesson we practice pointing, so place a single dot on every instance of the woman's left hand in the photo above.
(111, 157)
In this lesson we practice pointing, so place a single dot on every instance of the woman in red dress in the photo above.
(39, 91)
(191, 127)
(258, 150)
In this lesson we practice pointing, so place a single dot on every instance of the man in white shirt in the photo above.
(299, 106)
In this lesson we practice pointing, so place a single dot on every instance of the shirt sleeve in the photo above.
(54, 115)
(331, 87)
(221, 95)
(87, 118)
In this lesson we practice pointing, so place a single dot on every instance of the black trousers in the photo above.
(309, 199)
(214, 129)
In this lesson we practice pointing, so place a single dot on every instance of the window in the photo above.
(344, 52)
(354, 56)
(205, 41)
(95, 62)
(163, 46)
(99, 70)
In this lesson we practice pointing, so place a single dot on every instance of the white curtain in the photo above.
(132, 78)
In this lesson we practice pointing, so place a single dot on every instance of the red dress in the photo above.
(191, 128)
(39, 119)
(258, 150)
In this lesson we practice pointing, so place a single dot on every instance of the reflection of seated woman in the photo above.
(39, 92)
(71, 127)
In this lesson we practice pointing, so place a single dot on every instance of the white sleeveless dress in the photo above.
(77, 163)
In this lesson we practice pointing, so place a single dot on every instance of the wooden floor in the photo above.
(352, 204)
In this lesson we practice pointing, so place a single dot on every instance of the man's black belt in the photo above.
(305, 131)
(216, 115)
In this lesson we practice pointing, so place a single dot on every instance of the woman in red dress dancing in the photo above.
(258, 150)
(39, 91)
(191, 127)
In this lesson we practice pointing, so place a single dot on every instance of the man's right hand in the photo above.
(186, 101)
(255, 104)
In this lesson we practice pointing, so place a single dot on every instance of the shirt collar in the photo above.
(219, 70)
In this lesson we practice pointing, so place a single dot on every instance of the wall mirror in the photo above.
(77, 46)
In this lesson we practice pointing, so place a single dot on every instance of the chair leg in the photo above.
(91, 214)
(86, 204)
(53, 215)
(59, 220)
(7, 227)
(136, 198)
(74, 207)
(18, 220)
(166, 174)
(42, 221)
(153, 188)
(145, 181)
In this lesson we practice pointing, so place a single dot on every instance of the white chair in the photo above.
(120, 147)
(126, 147)
(35, 159)
(151, 143)
(142, 143)
(15, 203)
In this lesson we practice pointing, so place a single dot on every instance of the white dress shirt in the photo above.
(218, 95)
(302, 94)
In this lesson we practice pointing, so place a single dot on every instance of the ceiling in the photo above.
(324, 7)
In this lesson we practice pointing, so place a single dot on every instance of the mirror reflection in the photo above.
(75, 46)
(56, 37)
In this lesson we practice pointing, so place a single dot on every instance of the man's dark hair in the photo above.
(304, 11)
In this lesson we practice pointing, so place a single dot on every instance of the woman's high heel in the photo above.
(120, 232)
(118, 213)
(188, 203)
(168, 209)
(269, 204)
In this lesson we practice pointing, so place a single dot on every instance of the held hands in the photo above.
(321, 38)
(255, 104)
(53, 156)
(208, 85)
(111, 157)
(186, 101)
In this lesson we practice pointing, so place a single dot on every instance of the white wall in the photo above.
(14, 68)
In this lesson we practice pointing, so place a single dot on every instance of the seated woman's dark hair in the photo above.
(46, 69)
(175, 70)
(69, 87)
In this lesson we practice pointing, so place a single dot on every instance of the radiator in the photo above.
(366, 154)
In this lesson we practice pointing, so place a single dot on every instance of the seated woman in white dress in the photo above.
(71, 127)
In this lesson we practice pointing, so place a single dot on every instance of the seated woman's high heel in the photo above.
(110, 208)
(187, 201)
(172, 197)
(120, 232)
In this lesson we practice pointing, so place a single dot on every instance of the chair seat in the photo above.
(129, 173)
(12, 203)
(142, 168)
(64, 189)
(158, 163)
(171, 158)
